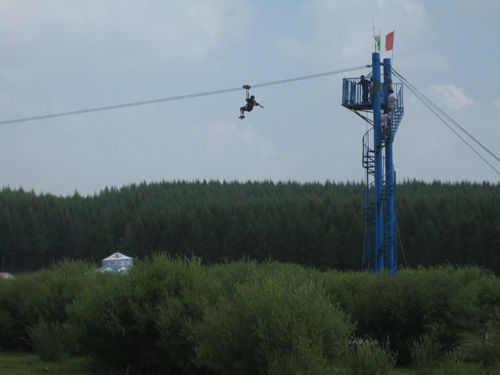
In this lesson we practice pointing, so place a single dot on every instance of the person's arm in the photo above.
(257, 104)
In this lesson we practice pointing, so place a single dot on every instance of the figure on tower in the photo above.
(388, 100)
(251, 102)
(365, 87)
(387, 81)
(385, 119)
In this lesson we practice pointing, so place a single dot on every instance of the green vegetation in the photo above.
(178, 316)
(30, 298)
(294, 305)
(425, 352)
(30, 364)
(313, 224)
(368, 357)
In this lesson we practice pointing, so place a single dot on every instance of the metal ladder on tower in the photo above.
(368, 162)
(395, 116)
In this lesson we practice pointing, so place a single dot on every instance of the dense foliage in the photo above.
(314, 224)
(178, 316)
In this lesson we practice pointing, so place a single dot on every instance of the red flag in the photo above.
(389, 41)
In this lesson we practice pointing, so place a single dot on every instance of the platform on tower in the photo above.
(357, 93)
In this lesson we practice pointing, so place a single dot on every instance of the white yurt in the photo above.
(116, 262)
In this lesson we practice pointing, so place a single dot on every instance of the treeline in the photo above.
(313, 224)
(176, 316)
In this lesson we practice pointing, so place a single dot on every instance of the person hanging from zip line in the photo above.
(251, 102)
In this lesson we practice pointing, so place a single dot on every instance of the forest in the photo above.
(313, 224)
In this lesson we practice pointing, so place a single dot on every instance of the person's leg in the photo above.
(383, 122)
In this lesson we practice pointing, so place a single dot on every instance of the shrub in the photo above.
(47, 340)
(486, 352)
(137, 322)
(275, 324)
(432, 301)
(367, 357)
(489, 296)
(7, 336)
(45, 293)
(425, 353)
(453, 364)
(176, 316)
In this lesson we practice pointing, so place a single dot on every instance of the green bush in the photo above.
(45, 293)
(425, 353)
(486, 352)
(274, 324)
(433, 301)
(367, 357)
(177, 316)
(489, 296)
(453, 364)
(7, 336)
(47, 340)
(148, 320)
(137, 322)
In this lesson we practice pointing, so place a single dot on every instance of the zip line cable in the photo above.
(446, 115)
(309, 76)
(442, 116)
(426, 101)
(454, 131)
(172, 98)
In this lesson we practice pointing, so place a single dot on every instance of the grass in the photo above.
(465, 368)
(30, 364)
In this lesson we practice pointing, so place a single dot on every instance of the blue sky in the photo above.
(61, 56)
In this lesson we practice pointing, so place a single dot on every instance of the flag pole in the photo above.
(374, 40)
(392, 51)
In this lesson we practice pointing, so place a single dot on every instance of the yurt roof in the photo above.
(117, 256)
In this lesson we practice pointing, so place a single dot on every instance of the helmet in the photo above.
(252, 97)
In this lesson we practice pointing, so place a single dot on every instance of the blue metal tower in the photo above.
(384, 99)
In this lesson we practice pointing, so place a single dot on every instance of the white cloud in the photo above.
(67, 55)
(237, 152)
(228, 140)
(81, 54)
(451, 96)
(176, 28)
(343, 29)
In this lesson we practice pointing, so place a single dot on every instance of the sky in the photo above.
(67, 55)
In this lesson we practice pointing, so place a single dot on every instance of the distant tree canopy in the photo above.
(313, 224)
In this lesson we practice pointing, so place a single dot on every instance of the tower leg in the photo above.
(390, 188)
(379, 209)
